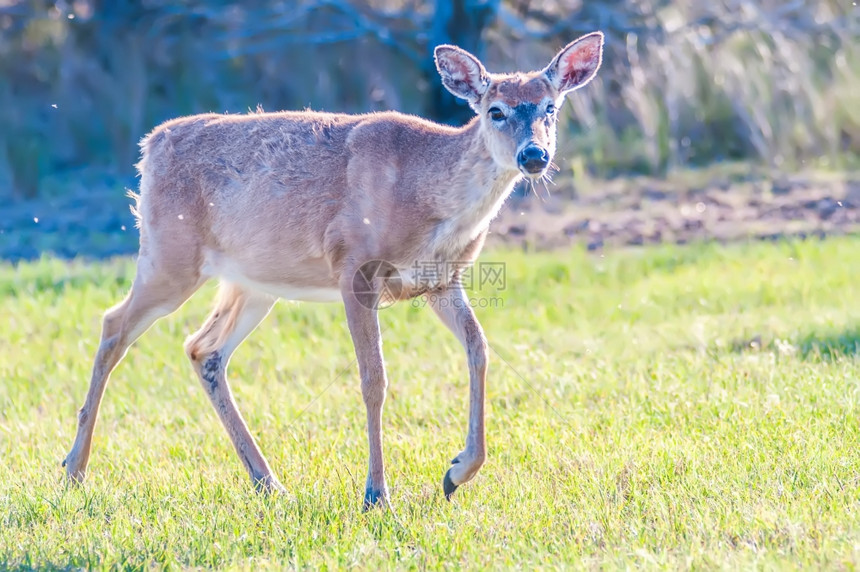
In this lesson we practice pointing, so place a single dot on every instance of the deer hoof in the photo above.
(448, 486)
(74, 475)
(374, 498)
(269, 485)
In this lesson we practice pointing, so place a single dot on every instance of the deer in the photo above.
(330, 207)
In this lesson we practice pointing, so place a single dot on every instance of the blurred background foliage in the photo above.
(685, 82)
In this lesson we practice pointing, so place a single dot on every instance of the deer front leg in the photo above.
(363, 324)
(452, 307)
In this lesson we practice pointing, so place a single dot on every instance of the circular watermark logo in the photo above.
(377, 284)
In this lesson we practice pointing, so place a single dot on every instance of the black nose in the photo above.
(533, 159)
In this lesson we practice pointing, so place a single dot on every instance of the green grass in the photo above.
(691, 407)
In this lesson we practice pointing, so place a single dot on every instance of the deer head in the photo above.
(519, 112)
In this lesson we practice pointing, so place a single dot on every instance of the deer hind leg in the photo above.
(158, 290)
(237, 312)
(452, 307)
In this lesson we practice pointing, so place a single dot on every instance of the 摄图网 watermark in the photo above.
(378, 283)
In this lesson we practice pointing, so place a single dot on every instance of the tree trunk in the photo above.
(462, 23)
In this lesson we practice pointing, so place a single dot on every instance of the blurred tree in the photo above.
(462, 23)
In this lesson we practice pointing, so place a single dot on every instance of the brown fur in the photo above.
(290, 204)
(531, 88)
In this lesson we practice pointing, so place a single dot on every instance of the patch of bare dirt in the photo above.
(647, 211)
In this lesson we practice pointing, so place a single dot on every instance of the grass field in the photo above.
(671, 407)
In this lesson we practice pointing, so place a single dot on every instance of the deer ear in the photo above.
(576, 64)
(462, 73)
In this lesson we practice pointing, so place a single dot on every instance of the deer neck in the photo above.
(479, 186)
(475, 189)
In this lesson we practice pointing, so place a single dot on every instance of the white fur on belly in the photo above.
(223, 267)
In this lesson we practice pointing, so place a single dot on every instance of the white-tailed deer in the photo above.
(299, 205)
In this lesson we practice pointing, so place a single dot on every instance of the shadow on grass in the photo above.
(17, 566)
(830, 346)
(823, 346)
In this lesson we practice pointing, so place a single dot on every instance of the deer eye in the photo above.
(496, 114)
(550, 109)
